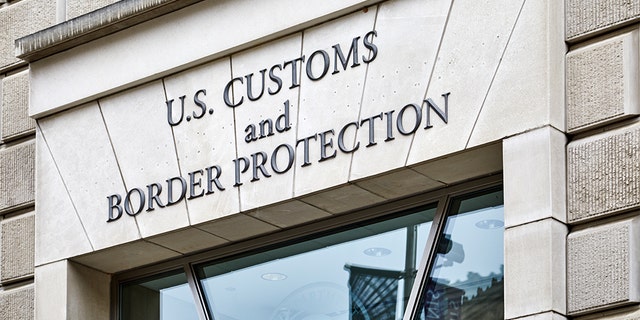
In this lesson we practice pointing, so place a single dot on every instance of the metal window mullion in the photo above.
(428, 258)
(196, 292)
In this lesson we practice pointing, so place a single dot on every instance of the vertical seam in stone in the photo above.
(364, 88)
(115, 156)
(299, 106)
(495, 73)
(433, 69)
(86, 234)
(175, 148)
(235, 129)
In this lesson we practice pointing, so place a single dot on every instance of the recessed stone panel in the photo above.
(602, 82)
(17, 176)
(20, 19)
(603, 174)
(17, 303)
(15, 106)
(17, 244)
(585, 17)
(602, 267)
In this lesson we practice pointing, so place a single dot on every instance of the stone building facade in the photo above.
(542, 98)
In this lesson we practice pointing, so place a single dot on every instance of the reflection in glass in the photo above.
(466, 280)
(165, 296)
(360, 273)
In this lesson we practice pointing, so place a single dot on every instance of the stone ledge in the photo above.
(93, 25)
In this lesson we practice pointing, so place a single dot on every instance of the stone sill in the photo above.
(93, 25)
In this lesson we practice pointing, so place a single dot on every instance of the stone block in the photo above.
(399, 75)
(88, 293)
(66, 290)
(218, 151)
(17, 176)
(524, 96)
(538, 192)
(535, 281)
(60, 231)
(20, 19)
(65, 200)
(17, 304)
(15, 106)
(467, 77)
(77, 8)
(602, 267)
(602, 82)
(144, 134)
(603, 174)
(585, 17)
(17, 247)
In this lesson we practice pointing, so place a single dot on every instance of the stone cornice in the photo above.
(93, 25)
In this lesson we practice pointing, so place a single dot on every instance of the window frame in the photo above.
(442, 198)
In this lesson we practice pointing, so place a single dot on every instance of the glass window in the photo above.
(165, 296)
(354, 274)
(466, 278)
(363, 271)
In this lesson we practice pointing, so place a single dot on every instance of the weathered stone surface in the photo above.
(15, 106)
(601, 82)
(95, 24)
(532, 288)
(587, 16)
(17, 247)
(77, 8)
(17, 304)
(17, 175)
(603, 174)
(616, 314)
(20, 19)
(602, 267)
